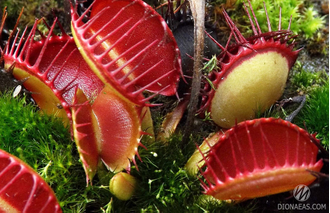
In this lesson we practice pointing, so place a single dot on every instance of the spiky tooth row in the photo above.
(260, 157)
(108, 130)
(57, 75)
(22, 189)
(45, 65)
(59, 79)
(252, 76)
(83, 133)
(196, 160)
(129, 47)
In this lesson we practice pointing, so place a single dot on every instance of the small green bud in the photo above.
(122, 185)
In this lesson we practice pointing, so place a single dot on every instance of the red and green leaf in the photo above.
(117, 127)
(129, 47)
(258, 158)
(51, 69)
(22, 189)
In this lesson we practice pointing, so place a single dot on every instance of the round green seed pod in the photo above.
(122, 185)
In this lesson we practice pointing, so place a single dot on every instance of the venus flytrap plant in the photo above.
(41, 65)
(163, 182)
(252, 72)
(137, 55)
(68, 90)
(247, 161)
(109, 86)
(259, 157)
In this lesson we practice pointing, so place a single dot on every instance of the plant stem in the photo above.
(198, 11)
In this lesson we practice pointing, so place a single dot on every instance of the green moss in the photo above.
(164, 186)
(315, 114)
(311, 22)
(32, 9)
(45, 144)
(32, 136)
(305, 22)
(304, 81)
